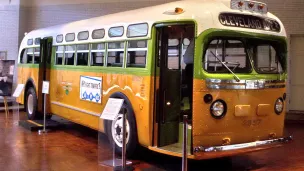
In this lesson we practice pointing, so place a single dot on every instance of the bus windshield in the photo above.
(266, 59)
(234, 56)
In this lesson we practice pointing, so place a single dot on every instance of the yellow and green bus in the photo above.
(221, 62)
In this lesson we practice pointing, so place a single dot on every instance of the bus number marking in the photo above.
(253, 122)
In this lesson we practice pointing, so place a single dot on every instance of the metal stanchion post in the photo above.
(185, 139)
(123, 140)
(44, 112)
(114, 157)
(44, 115)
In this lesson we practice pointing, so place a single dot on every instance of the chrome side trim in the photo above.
(208, 80)
(244, 84)
(243, 145)
(216, 86)
(275, 86)
(75, 108)
(274, 81)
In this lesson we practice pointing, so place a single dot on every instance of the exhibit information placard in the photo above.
(18, 90)
(45, 87)
(112, 109)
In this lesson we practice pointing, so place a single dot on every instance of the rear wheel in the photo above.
(31, 104)
(115, 131)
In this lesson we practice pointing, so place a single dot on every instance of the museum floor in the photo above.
(74, 147)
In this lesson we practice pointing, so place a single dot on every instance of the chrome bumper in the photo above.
(243, 145)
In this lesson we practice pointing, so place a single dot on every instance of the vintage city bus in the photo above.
(220, 62)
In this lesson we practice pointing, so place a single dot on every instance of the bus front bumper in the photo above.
(235, 149)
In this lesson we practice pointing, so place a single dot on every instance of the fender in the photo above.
(119, 95)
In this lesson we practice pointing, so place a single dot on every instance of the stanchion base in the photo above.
(43, 131)
(35, 125)
(115, 165)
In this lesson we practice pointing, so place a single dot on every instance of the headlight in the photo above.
(218, 109)
(279, 106)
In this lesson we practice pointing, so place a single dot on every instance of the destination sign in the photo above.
(249, 21)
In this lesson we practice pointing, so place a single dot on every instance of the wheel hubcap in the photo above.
(30, 104)
(117, 130)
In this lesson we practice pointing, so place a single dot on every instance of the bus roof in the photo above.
(204, 12)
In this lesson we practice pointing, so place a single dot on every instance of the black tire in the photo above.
(32, 113)
(133, 141)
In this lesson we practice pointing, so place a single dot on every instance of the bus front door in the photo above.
(44, 68)
(169, 88)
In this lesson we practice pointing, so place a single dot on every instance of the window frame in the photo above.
(81, 33)
(33, 51)
(36, 41)
(30, 42)
(248, 57)
(98, 30)
(254, 55)
(123, 31)
(63, 53)
(39, 54)
(24, 50)
(96, 51)
(81, 51)
(65, 37)
(139, 35)
(75, 53)
(116, 50)
(136, 50)
(57, 37)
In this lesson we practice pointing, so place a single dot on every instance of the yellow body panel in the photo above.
(68, 105)
(249, 124)
(24, 74)
(250, 115)
(136, 88)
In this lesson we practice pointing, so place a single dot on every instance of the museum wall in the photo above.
(44, 13)
(9, 17)
(9, 30)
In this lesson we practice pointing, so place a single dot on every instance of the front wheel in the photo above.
(115, 131)
(31, 104)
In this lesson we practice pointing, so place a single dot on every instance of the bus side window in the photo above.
(69, 55)
(82, 54)
(37, 55)
(173, 54)
(97, 54)
(115, 54)
(29, 55)
(23, 56)
(59, 55)
(137, 53)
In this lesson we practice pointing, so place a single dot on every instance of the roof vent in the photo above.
(175, 11)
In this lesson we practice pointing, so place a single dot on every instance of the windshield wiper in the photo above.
(224, 63)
